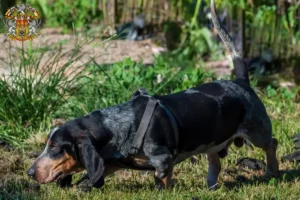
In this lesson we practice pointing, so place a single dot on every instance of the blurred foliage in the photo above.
(113, 84)
(193, 36)
(68, 14)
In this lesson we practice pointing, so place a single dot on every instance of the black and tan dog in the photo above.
(209, 118)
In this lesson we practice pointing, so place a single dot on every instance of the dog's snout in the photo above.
(31, 172)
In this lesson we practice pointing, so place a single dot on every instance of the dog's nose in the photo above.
(31, 172)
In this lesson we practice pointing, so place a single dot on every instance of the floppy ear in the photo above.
(93, 163)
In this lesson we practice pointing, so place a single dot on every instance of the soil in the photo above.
(104, 52)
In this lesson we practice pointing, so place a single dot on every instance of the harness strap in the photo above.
(174, 125)
(140, 133)
(149, 110)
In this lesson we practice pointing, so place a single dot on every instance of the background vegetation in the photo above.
(32, 97)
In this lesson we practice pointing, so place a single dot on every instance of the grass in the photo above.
(190, 177)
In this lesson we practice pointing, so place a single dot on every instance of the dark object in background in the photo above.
(172, 34)
(264, 64)
(251, 163)
(296, 71)
(5, 145)
(135, 30)
(296, 155)
(296, 139)
(292, 157)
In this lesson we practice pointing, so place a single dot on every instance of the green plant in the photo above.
(68, 14)
(35, 89)
(113, 84)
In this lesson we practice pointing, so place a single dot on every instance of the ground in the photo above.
(190, 177)
(107, 52)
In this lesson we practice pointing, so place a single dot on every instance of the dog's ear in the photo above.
(92, 162)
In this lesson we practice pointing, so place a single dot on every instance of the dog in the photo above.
(208, 119)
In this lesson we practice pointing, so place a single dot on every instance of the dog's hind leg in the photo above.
(269, 145)
(272, 163)
(214, 168)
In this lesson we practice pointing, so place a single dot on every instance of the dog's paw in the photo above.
(213, 187)
(66, 182)
(84, 188)
(84, 184)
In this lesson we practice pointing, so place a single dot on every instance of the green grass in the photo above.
(190, 178)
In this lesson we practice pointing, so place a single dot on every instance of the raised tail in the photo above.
(241, 71)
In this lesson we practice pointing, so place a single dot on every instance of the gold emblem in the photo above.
(22, 22)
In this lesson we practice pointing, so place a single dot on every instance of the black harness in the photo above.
(150, 107)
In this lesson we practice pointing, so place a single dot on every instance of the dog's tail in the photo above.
(241, 71)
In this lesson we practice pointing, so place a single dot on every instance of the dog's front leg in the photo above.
(214, 168)
(163, 179)
(163, 164)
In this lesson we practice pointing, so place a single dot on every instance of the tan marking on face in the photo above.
(47, 169)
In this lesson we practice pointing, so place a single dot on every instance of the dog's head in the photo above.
(69, 149)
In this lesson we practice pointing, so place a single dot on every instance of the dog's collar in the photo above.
(149, 110)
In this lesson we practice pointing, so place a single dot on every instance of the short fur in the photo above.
(209, 117)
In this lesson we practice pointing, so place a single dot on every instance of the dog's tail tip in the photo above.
(241, 70)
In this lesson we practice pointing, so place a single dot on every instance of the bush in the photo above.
(68, 14)
(31, 94)
(113, 84)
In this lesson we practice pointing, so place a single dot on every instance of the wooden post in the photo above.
(124, 11)
(166, 10)
(111, 6)
(128, 11)
(102, 7)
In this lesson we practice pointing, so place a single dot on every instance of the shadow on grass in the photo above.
(285, 176)
(18, 188)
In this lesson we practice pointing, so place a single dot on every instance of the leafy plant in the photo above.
(113, 84)
(35, 90)
(68, 14)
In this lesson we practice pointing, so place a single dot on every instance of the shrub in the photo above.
(32, 93)
(113, 84)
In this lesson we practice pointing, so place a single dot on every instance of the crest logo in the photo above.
(22, 22)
